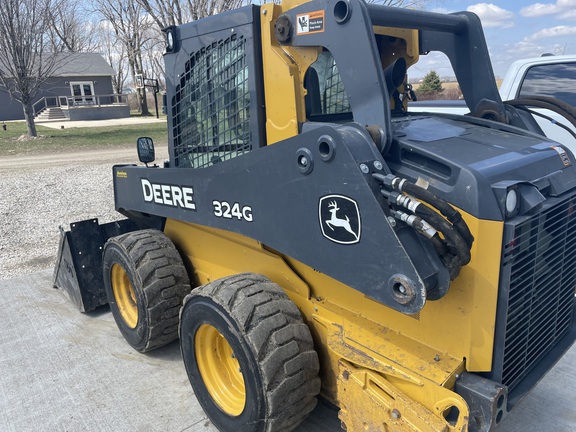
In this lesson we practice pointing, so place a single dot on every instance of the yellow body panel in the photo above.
(404, 44)
(284, 68)
(409, 358)
(385, 407)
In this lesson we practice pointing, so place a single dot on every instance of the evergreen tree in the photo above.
(431, 83)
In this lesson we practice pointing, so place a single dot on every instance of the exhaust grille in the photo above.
(537, 288)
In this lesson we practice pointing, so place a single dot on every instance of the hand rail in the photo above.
(79, 101)
(96, 100)
(41, 102)
(45, 102)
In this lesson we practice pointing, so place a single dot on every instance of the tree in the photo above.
(154, 57)
(24, 62)
(130, 24)
(70, 30)
(115, 55)
(431, 84)
(176, 12)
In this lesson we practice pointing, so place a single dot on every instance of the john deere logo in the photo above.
(339, 219)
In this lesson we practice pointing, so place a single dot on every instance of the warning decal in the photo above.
(563, 155)
(312, 22)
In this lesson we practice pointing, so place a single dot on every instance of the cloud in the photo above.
(492, 15)
(526, 48)
(552, 32)
(569, 15)
(441, 10)
(541, 9)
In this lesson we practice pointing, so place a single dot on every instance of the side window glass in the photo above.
(554, 80)
(326, 94)
(211, 105)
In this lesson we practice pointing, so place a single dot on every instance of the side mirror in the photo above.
(145, 147)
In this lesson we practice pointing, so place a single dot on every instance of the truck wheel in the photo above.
(145, 282)
(248, 354)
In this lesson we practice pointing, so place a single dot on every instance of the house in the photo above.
(80, 89)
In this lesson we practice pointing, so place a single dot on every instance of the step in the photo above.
(51, 114)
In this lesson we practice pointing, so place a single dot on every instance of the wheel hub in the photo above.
(124, 295)
(220, 370)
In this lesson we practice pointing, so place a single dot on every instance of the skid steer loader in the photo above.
(310, 236)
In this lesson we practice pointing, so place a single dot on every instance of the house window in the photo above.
(82, 92)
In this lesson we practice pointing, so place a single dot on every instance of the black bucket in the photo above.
(78, 271)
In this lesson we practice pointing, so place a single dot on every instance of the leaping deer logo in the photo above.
(340, 219)
(335, 221)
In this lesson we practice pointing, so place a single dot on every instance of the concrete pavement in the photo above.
(61, 370)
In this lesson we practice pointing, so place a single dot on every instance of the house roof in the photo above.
(78, 64)
(82, 64)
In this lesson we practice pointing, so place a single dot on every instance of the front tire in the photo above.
(146, 282)
(248, 354)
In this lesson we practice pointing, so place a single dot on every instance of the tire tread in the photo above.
(280, 341)
(164, 281)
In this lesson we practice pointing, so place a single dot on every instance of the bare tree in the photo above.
(24, 62)
(115, 55)
(153, 50)
(70, 28)
(130, 22)
(176, 12)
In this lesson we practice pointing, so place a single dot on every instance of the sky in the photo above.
(513, 30)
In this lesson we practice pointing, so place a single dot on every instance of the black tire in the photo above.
(266, 335)
(145, 271)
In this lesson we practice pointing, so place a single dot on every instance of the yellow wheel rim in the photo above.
(124, 295)
(220, 370)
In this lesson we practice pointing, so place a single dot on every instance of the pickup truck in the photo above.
(552, 76)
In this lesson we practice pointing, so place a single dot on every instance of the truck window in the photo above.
(554, 80)
(211, 113)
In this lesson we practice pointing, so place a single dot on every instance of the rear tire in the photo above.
(146, 282)
(248, 354)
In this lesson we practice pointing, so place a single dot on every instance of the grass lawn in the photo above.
(62, 140)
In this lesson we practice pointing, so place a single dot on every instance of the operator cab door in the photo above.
(214, 89)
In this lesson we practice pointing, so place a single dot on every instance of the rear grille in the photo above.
(538, 279)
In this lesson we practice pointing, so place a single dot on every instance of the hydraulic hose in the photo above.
(455, 242)
(453, 216)
(455, 248)
(550, 119)
(425, 229)
(559, 107)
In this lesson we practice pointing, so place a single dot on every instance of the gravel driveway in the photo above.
(39, 193)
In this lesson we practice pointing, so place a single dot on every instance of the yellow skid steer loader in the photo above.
(309, 235)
